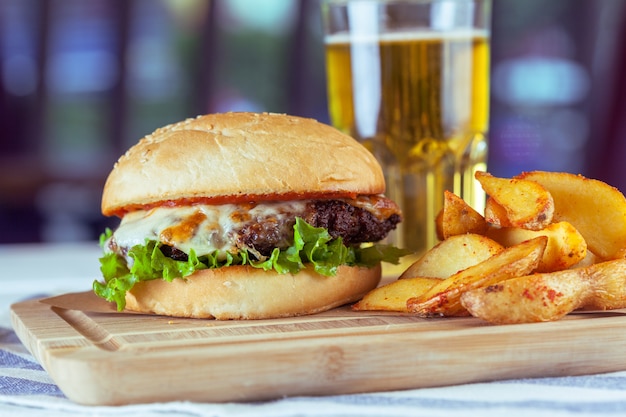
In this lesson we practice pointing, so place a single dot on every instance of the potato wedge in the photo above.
(566, 246)
(393, 296)
(458, 218)
(529, 299)
(445, 297)
(495, 214)
(596, 209)
(589, 259)
(453, 255)
(527, 204)
(550, 296)
(609, 285)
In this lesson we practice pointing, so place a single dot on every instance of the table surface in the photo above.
(28, 271)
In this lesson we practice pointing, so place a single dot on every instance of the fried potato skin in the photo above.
(609, 285)
(393, 296)
(444, 298)
(526, 204)
(550, 296)
(458, 218)
(495, 214)
(529, 299)
(566, 246)
(596, 209)
(453, 255)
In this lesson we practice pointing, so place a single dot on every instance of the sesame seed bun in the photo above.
(233, 157)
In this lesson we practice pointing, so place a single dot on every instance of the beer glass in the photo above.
(410, 80)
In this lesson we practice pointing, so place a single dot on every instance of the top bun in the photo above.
(234, 156)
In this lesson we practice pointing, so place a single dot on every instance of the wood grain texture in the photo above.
(114, 359)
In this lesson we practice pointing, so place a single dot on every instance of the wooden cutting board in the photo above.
(111, 358)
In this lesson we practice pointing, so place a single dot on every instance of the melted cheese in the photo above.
(205, 228)
(208, 228)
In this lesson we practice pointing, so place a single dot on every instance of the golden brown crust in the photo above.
(244, 292)
(239, 154)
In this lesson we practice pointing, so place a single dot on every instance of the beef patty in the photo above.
(354, 222)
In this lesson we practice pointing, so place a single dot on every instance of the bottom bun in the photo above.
(244, 292)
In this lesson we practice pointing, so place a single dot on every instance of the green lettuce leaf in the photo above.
(312, 246)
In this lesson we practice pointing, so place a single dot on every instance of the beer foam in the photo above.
(406, 35)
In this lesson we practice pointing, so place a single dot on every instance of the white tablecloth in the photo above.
(28, 271)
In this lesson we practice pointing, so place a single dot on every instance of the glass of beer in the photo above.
(410, 80)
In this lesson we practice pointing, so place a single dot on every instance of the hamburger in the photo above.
(244, 216)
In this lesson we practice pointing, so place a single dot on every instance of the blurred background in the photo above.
(83, 80)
